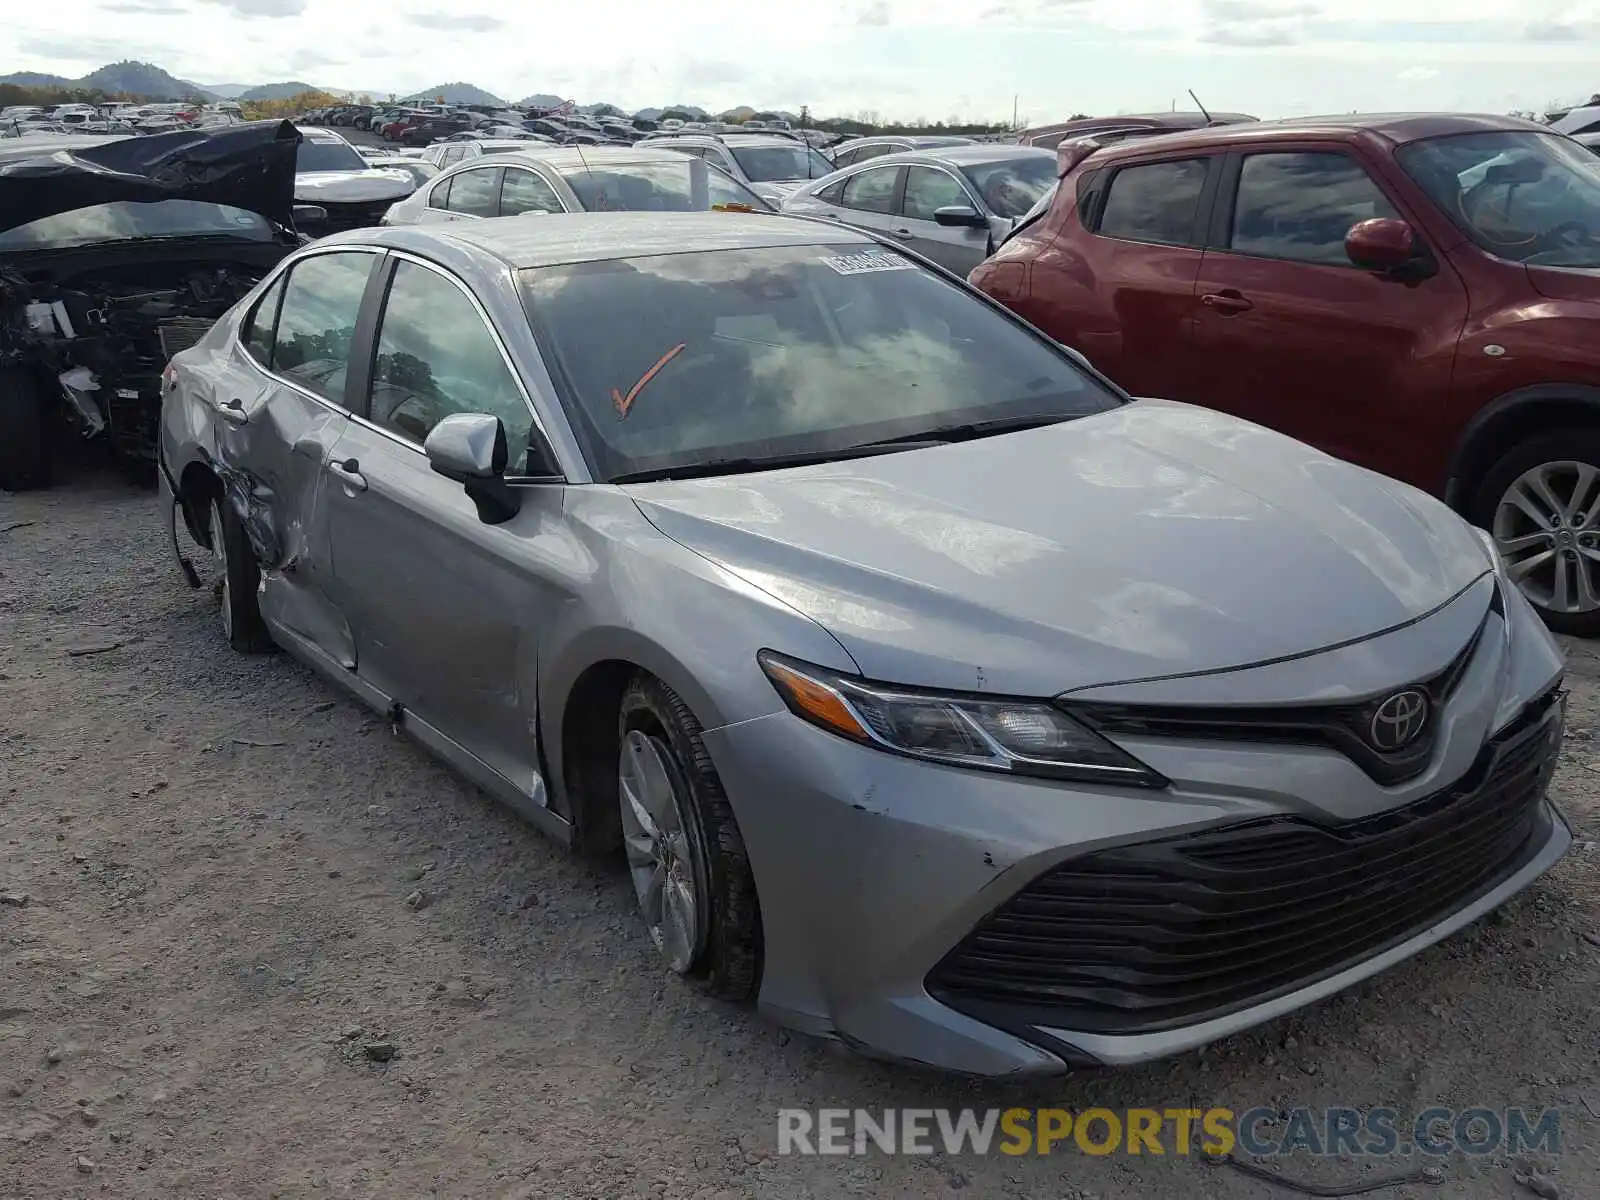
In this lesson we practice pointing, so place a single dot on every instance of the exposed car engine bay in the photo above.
(101, 339)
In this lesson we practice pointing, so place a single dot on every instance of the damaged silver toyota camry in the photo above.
(939, 695)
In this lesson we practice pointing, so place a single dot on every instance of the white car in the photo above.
(332, 175)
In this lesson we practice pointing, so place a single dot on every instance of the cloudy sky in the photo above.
(898, 58)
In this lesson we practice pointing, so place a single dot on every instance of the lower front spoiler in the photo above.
(1120, 1050)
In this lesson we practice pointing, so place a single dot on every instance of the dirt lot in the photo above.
(217, 854)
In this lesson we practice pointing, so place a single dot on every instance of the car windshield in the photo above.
(703, 363)
(1013, 186)
(763, 164)
(127, 220)
(682, 185)
(327, 156)
(1531, 198)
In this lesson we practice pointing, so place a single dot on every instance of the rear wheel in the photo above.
(1541, 501)
(685, 854)
(236, 578)
(25, 450)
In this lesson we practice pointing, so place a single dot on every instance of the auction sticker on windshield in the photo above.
(861, 264)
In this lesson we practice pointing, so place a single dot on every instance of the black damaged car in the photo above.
(115, 254)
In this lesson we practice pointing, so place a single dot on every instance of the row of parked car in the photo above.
(757, 548)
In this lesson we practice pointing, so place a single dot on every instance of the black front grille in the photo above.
(179, 333)
(1342, 727)
(357, 215)
(1157, 934)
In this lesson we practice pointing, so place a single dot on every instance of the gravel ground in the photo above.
(217, 854)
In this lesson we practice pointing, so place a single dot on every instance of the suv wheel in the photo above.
(1541, 501)
(685, 853)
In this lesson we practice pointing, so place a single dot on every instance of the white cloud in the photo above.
(898, 57)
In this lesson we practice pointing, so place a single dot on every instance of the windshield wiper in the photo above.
(969, 430)
(771, 462)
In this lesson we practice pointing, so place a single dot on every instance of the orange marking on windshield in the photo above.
(624, 403)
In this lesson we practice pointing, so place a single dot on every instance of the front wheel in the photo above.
(685, 854)
(1541, 502)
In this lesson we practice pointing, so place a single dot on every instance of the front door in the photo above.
(954, 247)
(445, 609)
(1290, 333)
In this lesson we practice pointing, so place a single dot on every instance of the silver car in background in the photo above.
(953, 205)
(858, 150)
(936, 693)
(559, 179)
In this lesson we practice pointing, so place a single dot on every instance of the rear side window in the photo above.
(317, 321)
(1156, 202)
(833, 193)
(523, 191)
(1300, 206)
(872, 191)
(476, 193)
(258, 330)
(440, 196)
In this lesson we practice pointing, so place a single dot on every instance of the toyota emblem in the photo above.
(1399, 720)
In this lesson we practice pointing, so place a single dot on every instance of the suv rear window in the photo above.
(1156, 202)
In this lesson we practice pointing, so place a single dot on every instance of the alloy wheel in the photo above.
(661, 854)
(1547, 529)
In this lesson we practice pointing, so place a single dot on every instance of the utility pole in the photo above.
(1013, 113)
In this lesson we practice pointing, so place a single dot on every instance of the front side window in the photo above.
(1531, 198)
(928, 190)
(436, 357)
(317, 321)
(872, 190)
(1156, 202)
(475, 193)
(1012, 187)
(1300, 206)
(524, 191)
(127, 220)
(685, 184)
(683, 362)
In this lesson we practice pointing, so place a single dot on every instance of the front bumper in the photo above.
(874, 870)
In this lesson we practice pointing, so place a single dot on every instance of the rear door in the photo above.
(466, 195)
(1290, 333)
(871, 199)
(1147, 226)
(299, 337)
(955, 248)
(445, 609)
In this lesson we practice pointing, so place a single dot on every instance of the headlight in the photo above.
(1020, 736)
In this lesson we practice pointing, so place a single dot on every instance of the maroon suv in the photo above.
(1418, 294)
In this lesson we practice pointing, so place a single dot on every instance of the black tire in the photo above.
(1570, 445)
(729, 964)
(26, 458)
(242, 624)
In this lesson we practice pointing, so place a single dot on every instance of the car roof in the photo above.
(568, 157)
(598, 237)
(36, 145)
(315, 133)
(1396, 128)
(962, 155)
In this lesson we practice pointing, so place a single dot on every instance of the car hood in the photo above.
(352, 187)
(1153, 540)
(248, 166)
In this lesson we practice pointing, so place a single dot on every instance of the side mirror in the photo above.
(1382, 244)
(470, 448)
(308, 214)
(962, 216)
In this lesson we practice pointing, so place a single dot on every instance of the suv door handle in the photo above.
(233, 412)
(1227, 301)
(349, 473)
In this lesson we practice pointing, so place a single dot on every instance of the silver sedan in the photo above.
(953, 204)
(935, 692)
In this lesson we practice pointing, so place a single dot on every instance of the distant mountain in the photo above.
(38, 79)
(131, 78)
(227, 91)
(541, 100)
(455, 93)
(275, 91)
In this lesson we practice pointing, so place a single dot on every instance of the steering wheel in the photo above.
(1554, 234)
(1472, 202)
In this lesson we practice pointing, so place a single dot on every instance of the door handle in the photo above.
(233, 412)
(901, 233)
(1227, 302)
(349, 473)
